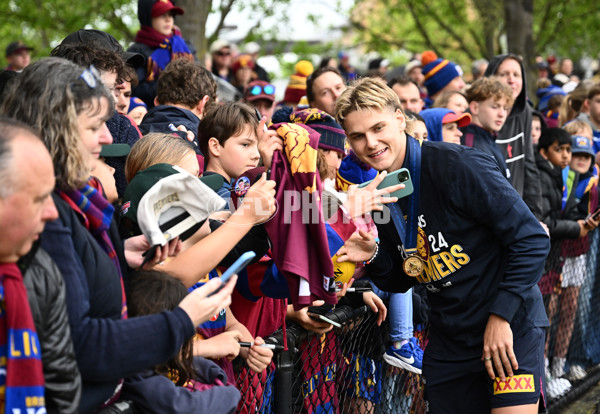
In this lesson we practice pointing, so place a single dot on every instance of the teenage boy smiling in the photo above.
(475, 246)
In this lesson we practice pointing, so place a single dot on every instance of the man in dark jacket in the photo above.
(514, 139)
(476, 247)
(47, 299)
(25, 206)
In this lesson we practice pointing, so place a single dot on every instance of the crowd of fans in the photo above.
(133, 178)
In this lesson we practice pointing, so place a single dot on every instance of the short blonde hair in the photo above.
(577, 125)
(156, 148)
(366, 93)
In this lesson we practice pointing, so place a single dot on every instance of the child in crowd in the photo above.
(590, 113)
(538, 125)
(185, 90)
(160, 42)
(551, 114)
(228, 140)
(242, 70)
(105, 173)
(575, 251)
(443, 124)
(572, 105)
(137, 109)
(490, 102)
(550, 98)
(552, 158)
(416, 128)
(186, 383)
(332, 140)
(453, 100)
(221, 334)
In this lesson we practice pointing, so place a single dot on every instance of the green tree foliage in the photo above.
(465, 30)
(43, 24)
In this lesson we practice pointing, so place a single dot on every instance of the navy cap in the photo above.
(581, 145)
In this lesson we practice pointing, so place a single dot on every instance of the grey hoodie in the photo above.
(514, 140)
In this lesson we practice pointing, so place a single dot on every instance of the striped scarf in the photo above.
(96, 213)
(21, 374)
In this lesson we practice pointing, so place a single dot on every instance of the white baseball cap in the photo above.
(174, 205)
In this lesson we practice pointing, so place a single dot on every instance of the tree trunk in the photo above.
(488, 11)
(519, 36)
(193, 23)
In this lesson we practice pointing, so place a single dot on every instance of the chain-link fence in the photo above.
(343, 371)
(570, 287)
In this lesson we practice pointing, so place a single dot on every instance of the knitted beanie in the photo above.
(296, 88)
(134, 102)
(438, 72)
(333, 137)
(242, 61)
(353, 171)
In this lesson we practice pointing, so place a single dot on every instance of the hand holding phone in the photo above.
(325, 319)
(235, 268)
(594, 216)
(401, 176)
(319, 313)
(373, 194)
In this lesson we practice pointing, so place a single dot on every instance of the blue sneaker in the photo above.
(409, 357)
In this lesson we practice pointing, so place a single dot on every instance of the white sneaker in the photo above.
(557, 387)
(576, 373)
(558, 367)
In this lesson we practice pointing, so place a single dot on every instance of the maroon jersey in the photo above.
(297, 230)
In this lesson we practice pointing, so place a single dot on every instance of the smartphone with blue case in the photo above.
(237, 266)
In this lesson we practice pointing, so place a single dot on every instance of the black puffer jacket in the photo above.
(47, 299)
(561, 225)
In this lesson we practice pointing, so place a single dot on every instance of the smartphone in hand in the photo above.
(325, 319)
(594, 215)
(319, 313)
(401, 176)
(235, 268)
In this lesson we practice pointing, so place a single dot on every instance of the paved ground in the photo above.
(586, 404)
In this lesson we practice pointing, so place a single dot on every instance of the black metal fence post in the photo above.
(284, 363)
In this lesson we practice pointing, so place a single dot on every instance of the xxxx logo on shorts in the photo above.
(518, 383)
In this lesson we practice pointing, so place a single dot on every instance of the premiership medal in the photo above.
(413, 266)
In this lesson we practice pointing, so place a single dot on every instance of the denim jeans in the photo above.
(400, 313)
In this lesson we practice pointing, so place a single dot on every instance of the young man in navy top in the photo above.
(471, 240)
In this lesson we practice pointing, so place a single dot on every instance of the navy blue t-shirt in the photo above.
(483, 249)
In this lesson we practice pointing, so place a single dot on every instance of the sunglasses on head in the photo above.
(91, 76)
(257, 89)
